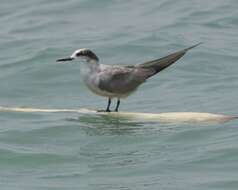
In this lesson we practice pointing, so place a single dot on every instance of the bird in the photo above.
(118, 81)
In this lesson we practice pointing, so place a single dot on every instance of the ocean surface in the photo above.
(69, 151)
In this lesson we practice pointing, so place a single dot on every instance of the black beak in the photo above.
(65, 59)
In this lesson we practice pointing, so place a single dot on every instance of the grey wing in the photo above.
(121, 80)
(160, 64)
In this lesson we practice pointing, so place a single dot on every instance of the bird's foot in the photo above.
(103, 110)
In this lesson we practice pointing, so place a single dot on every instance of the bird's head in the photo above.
(82, 54)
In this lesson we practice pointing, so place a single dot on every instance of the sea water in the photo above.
(75, 151)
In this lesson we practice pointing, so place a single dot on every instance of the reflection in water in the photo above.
(104, 124)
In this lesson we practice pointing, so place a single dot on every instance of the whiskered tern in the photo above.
(117, 81)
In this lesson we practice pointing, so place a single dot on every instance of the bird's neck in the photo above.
(87, 68)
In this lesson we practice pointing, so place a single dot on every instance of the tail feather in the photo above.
(162, 63)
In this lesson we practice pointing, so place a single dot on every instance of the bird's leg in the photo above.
(118, 104)
(108, 105)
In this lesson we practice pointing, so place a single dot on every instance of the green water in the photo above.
(75, 151)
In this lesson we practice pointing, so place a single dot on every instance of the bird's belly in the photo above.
(100, 92)
(90, 81)
(92, 85)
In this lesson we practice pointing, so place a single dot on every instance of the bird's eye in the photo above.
(78, 54)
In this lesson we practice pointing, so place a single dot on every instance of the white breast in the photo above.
(89, 75)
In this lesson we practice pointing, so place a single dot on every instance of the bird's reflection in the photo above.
(107, 125)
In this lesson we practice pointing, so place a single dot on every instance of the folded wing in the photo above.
(122, 80)
(160, 64)
(125, 79)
